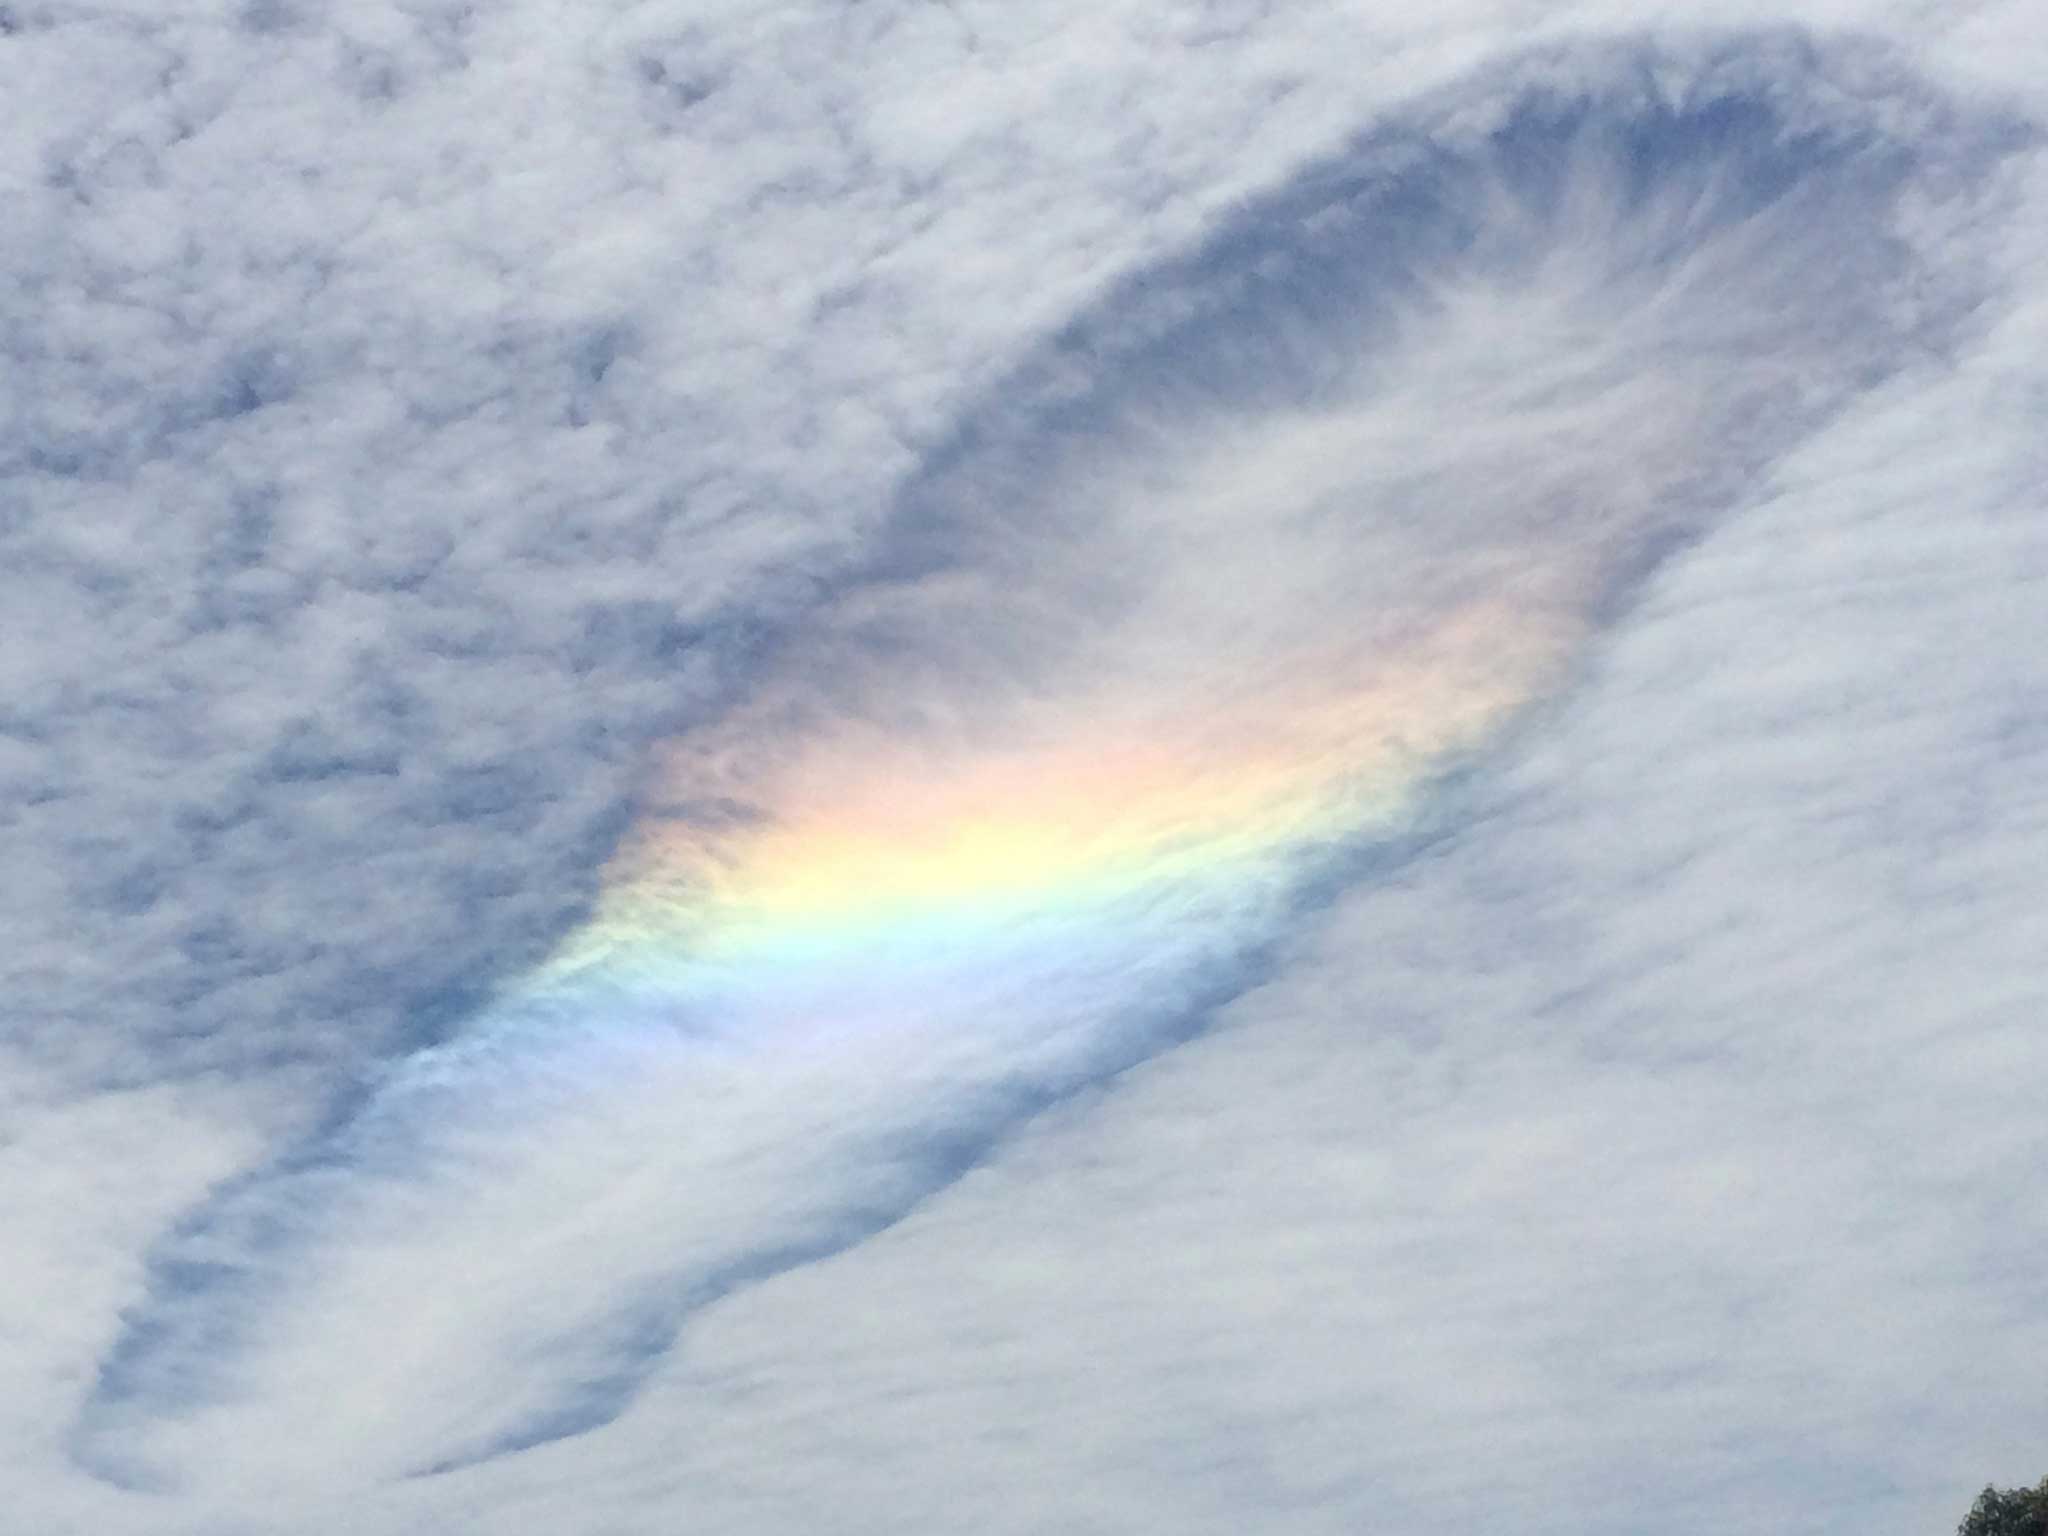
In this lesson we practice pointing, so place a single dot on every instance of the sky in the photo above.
(906, 766)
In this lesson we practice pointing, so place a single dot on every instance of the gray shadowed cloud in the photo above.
(1503, 355)
(340, 537)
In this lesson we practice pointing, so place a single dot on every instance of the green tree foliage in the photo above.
(2008, 1512)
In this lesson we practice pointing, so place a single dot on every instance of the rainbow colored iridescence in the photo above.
(1068, 859)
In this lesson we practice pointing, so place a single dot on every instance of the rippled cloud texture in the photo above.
(903, 768)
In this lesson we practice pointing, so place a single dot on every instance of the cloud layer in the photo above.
(1357, 642)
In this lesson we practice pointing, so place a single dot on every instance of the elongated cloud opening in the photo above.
(1189, 624)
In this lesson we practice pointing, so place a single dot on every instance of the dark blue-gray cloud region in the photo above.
(1540, 1141)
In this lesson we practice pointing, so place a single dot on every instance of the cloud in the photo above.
(1560, 262)
(421, 415)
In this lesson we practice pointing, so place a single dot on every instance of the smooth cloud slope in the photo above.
(1239, 595)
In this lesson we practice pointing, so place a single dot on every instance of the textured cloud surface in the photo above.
(1367, 855)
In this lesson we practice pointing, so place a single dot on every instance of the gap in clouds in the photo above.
(1188, 628)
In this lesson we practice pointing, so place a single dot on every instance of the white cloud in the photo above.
(375, 520)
